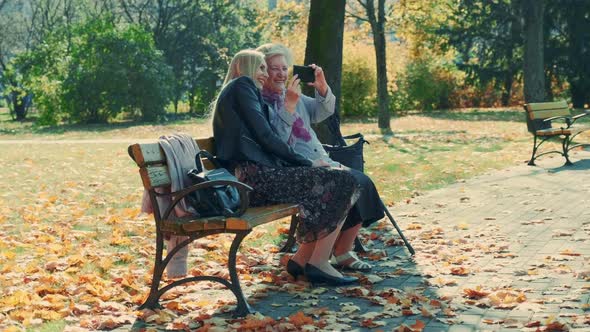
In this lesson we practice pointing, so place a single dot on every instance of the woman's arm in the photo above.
(250, 111)
(319, 108)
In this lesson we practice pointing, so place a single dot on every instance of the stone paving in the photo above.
(541, 215)
(522, 231)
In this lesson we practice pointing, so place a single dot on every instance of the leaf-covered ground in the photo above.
(76, 254)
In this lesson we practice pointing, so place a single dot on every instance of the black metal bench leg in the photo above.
(566, 145)
(152, 300)
(290, 243)
(243, 308)
(532, 161)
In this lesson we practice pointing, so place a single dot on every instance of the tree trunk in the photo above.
(325, 33)
(513, 66)
(507, 88)
(579, 40)
(378, 28)
(534, 75)
(19, 107)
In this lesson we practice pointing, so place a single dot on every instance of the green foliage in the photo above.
(43, 70)
(100, 72)
(424, 85)
(111, 70)
(489, 41)
(197, 39)
(358, 89)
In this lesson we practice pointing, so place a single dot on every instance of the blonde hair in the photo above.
(272, 49)
(244, 63)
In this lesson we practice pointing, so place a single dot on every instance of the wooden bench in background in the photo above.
(540, 118)
(156, 179)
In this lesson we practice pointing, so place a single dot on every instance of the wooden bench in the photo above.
(540, 118)
(156, 179)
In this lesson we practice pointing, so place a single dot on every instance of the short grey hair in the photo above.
(273, 49)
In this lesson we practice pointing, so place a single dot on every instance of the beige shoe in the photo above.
(355, 265)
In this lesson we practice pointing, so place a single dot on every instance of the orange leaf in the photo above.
(568, 252)
(368, 323)
(407, 312)
(459, 271)
(475, 294)
(418, 326)
(299, 319)
(533, 324)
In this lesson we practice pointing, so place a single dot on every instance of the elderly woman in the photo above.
(291, 116)
(247, 145)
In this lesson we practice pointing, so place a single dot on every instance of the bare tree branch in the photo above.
(351, 14)
(364, 4)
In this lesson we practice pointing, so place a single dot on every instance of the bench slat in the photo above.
(254, 216)
(146, 154)
(155, 176)
(261, 215)
(187, 225)
(547, 106)
(544, 114)
(207, 144)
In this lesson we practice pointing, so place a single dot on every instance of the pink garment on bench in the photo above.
(180, 150)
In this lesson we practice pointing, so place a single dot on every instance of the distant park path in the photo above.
(74, 141)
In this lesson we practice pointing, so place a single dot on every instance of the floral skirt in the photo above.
(325, 195)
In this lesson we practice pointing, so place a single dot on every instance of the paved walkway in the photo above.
(507, 250)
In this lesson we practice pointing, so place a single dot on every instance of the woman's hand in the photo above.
(292, 94)
(320, 83)
(319, 163)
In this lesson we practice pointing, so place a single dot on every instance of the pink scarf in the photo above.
(277, 100)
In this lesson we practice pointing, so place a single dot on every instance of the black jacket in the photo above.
(242, 130)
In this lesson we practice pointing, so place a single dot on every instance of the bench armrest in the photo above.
(577, 116)
(567, 119)
(243, 190)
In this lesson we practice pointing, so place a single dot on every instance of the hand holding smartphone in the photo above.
(305, 73)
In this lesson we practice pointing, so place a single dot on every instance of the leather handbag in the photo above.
(349, 155)
(218, 200)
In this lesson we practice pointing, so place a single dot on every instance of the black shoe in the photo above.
(294, 269)
(317, 276)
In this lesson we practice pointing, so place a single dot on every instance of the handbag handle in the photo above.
(209, 156)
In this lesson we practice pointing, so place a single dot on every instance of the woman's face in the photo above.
(277, 73)
(261, 75)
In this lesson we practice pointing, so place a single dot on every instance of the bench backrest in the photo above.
(152, 162)
(537, 112)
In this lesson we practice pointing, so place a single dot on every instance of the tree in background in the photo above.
(101, 72)
(567, 50)
(534, 76)
(198, 38)
(13, 39)
(377, 21)
(25, 24)
(325, 32)
(488, 38)
(428, 78)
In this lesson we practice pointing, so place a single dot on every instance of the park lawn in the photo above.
(72, 237)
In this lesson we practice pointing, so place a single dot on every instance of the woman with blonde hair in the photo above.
(291, 117)
(247, 145)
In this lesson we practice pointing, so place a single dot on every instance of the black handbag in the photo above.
(349, 155)
(218, 200)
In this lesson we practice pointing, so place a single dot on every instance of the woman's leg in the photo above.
(345, 241)
(322, 252)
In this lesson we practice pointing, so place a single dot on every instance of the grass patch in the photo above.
(51, 326)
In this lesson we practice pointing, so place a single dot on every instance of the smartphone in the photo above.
(305, 73)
